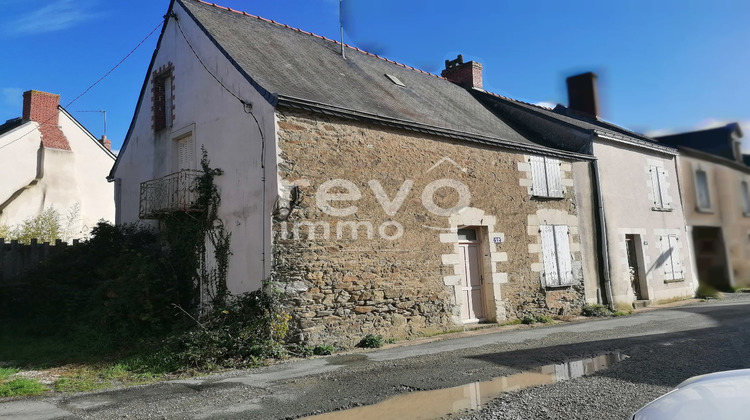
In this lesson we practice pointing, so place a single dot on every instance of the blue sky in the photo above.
(663, 66)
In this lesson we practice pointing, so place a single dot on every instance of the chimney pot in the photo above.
(582, 94)
(468, 75)
(106, 142)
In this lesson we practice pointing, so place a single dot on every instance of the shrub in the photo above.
(47, 226)
(250, 328)
(371, 341)
(323, 349)
(595, 310)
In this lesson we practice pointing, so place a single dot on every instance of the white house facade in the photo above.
(51, 160)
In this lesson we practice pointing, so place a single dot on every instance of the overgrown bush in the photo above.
(595, 310)
(119, 284)
(247, 329)
(129, 289)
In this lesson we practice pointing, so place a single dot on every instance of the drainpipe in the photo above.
(604, 262)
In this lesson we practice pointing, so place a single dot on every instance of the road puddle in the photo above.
(441, 402)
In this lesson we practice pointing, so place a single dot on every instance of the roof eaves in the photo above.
(610, 135)
(298, 103)
(698, 154)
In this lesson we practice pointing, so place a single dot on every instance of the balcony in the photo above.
(168, 194)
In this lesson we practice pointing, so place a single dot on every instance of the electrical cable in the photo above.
(90, 87)
(247, 107)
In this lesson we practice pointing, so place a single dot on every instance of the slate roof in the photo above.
(563, 128)
(717, 141)
(299, 69)
(10, 125)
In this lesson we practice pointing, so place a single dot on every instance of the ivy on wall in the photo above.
(193, 236)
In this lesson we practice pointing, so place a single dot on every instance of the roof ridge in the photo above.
(516, 100)
(317, 36)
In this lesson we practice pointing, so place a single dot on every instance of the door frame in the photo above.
(641, 275)
(478, 244)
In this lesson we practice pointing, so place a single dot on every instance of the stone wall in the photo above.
(403, 192)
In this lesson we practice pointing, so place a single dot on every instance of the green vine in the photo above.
(192, 235)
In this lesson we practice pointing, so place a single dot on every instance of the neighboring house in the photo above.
(716, 202)
(50, 160)
(641, 238)
(386, 199)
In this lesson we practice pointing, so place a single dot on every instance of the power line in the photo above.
(90, 87)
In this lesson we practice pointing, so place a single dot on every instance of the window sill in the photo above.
(662, 209)
(548, 197)
(707, 210)
(674, 281)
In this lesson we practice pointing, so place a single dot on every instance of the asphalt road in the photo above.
(658, 349)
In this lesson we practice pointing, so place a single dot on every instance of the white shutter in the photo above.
(676, 260)
(655, 191)
(666, 252)
(564, 260)
(185, 156)
(554, 178)
(538, 177)
(549, 251)
(663, 193)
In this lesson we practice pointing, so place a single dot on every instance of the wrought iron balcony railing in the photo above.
(171, 193)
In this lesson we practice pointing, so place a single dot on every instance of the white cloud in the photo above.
(53, 16)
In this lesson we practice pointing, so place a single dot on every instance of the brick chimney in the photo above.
(468, 75)
(106, 142)
(41, 107)
(582, 94)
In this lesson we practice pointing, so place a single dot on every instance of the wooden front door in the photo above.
(472, 308)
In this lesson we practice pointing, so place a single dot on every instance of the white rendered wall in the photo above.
(19, 162)
(625, 185)
(64, 179)
(231, 137)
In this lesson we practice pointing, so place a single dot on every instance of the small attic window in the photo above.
(395, 80)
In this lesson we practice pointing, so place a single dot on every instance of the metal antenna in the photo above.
(341, 25)
(104, 113)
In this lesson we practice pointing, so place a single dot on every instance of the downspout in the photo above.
(604, 262)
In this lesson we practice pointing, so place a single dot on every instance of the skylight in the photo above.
(395, 80)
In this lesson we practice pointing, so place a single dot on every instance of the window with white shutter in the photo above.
(185, 153)
(659, 188)
(672, 262)
(546, 177)
(558, 264)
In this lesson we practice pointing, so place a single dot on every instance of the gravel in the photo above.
(652, 370)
